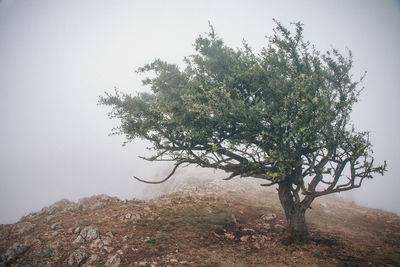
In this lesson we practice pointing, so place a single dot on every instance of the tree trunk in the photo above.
(295, 214)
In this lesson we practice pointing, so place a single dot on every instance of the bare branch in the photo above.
(163, 180)
(234, 174)
(269, 184)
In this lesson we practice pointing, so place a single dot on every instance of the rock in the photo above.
(24, 227)
(114, 261)
(97, 243)
(128, 216)
(50, 217)
(261, 241)
(229, 236)
(56, 226)
(76, 258)
(55, 245)
(59, 206)
(143, 263)
(90, 233)
(92, 259)
(244, 238)
(107, 240)
(13, 252)
(269, 217)
(266, 226)
(108, 249)
(77, 230)
(78, 241)
(110, 234)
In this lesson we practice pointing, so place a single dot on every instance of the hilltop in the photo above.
(214, 224)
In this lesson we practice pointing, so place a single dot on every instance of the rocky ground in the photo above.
(217, 224)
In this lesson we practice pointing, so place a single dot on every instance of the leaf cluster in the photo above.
(280, 115)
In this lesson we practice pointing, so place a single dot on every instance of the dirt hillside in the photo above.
(216, 224)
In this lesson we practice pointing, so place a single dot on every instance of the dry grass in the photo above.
(216, 227)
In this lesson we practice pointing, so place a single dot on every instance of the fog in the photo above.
(57, 57)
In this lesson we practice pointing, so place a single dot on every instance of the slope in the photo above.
(216, 224)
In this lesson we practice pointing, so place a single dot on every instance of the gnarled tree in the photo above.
(282, 116)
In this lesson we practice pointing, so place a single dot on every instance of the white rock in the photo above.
(90, 233)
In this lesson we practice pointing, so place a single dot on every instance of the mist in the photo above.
(58, 57)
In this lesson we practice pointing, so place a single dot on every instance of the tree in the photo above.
(282, 116)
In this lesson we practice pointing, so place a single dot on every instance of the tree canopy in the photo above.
(281, 115)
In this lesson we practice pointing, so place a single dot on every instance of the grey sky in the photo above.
(57, 57)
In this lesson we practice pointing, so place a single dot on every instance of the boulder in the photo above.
(90, 233)
(92, 259)
(114, 261)
(107, 240)
(76, 258)
(13, 252)
(79, 240)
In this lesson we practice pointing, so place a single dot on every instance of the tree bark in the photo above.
(295, 214)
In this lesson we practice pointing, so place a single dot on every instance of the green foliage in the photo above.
(282, 115)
